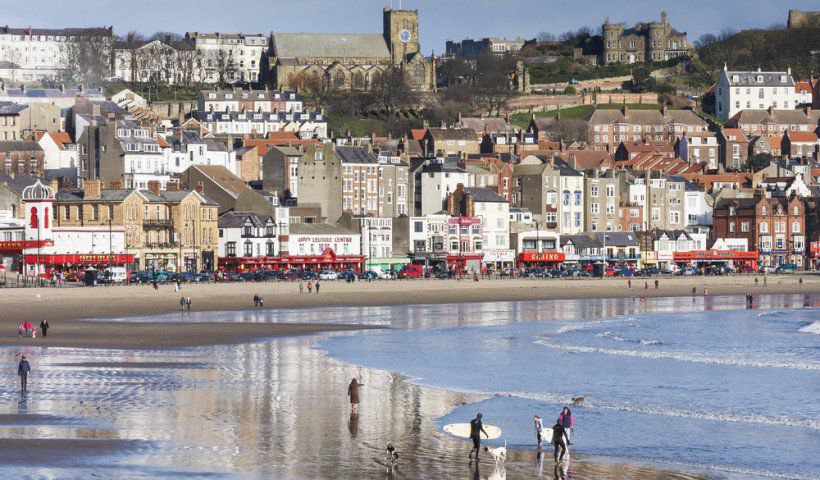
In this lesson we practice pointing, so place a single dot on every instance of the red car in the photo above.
(610, 272)
(411, 271)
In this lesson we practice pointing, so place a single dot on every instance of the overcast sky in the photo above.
(440, 19)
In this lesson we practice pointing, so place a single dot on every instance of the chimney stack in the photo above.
(154, 186)
(200, 187)
(92, 189)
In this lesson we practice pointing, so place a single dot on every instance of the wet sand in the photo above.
(157, 335)
(34, 304)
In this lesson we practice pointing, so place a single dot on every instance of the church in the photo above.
(355, 61)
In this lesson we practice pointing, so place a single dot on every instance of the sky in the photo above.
(440, 20)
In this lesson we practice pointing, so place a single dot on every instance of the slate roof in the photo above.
(620, 239)
(439, 134)
(20, 146)
(247, 95)
(645, 117)
(347, 45)
(18, 182)
(11, 108)
(770, 79)
(238, 219)
(581, 241)
(355, 155)
(106, 195)
(483, 194)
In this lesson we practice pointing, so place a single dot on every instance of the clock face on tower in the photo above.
(405, 35)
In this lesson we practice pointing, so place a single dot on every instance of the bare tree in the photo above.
(392, 93)
(130, 44)
(12, 56)
(567, 130)
(546, 37)
(88, 57)
(312, 86)
(222, 64)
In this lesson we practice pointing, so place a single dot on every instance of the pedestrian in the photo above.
(539, 425)
(755, 281)
(694, 292)
(176, 287)
(27, 328)
(188, 303)
(44, 327)
(629, 283)
(646, 285)
(261, 303)
(765, 280)
(353, 393)
(301, 287)
(476, 429)
(20, 329)
(179, 285)
(705, 292)
(656, 284)
(156, 287)
(23, 368)
(317, 286)
(566, 421)
(256, 301)
(558, 439)
(310, 287)
(800, 281)
(182, 303)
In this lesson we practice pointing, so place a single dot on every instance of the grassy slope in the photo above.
(582, 112)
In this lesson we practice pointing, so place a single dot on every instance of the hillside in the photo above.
(766, 49)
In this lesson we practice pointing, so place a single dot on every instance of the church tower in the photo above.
(401, 32)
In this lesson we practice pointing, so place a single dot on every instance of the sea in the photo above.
(728, 392)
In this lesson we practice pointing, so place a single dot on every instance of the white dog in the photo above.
(499, 453)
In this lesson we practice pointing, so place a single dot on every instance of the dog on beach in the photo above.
(392, 454)
(499, 454)
(577, 401)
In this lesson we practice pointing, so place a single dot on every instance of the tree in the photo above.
(759, 161)
(131, 43)
(567, 130)
(391, 92)
(642, 80)
(88, 57)
(222, 64)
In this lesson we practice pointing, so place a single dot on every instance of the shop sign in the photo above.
(542, 257)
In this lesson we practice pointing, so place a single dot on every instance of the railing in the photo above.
(157, 222)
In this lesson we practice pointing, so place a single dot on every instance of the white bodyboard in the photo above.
(462, 430)
(546, 435)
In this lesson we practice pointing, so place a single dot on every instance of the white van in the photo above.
(116, 274)
(381, 273)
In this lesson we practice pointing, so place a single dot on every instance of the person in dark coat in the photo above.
(353, 393)
(22, 370)
(476, 429)
(44, 327)
(559, 440)
(317, 286)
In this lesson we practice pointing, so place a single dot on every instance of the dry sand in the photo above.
(35, 304)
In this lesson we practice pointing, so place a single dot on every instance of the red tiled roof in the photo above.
(735, 132)
(417, 133)
(162, 142)
(800, 86)
(807, 137)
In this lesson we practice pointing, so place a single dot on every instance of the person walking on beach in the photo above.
(705, 292)
(20, 330)
(188, 303)
(476, 429)
(256, 301)
(694, 292)
(27, 328)
(44, 327)
(310, 287)
(566, 421)
(353, 393)
(629, 283)
(317, 286)
(646, 285)
(656, 284)
(22, 370)
(182, 303)
(765, 280)
(301, 287)
(539, 425)
(261, 302)
(800, 281)
(558, 439)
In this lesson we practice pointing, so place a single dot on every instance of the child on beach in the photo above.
(20, 330)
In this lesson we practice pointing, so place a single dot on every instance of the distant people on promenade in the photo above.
(44, 327)
(353, 393)
(23, 369)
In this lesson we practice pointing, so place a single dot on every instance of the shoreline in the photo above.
(84, 303)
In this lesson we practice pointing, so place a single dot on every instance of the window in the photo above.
(230, 248)
(795, 227)
(764, 227)
(674, 217)
(744, 226)
(566, 196)
(578, 219)
(248, 249)
(731, 227)
(763, 209)
(577, 197)
(593, 208)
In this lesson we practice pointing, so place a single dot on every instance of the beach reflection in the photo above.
(275, 409)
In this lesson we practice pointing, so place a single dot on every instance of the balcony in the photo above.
(162, 245)
(157, 223)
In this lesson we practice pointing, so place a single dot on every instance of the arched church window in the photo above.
(339, 79)
(358, 80)
(418, 74)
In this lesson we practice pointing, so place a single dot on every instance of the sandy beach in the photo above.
(34, 304)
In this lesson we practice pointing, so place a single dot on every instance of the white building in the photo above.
(428, 233)
(187, 148)
(308, 239)
(237, 100)
(62, 97)
(248, 235)
(306, 125)
(143, 158)
(494, 212)
(377, 238)
(435, 181)
(40, 53)
(59, 151)
(699, 148)
(758, 90)
(697, 209)
(244, 51)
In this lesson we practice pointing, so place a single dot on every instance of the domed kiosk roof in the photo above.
(38, 191)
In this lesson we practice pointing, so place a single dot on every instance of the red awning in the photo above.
(713, 255)
(116, 259)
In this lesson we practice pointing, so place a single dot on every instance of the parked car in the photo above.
(328, 275)
(444, 274)
(610, 272)
(767, 269)
(231, 277)
(308, 275)
(626, 272)
(273, 275)
(746, 269)
(138, 277)
(786, 268)
(537, 272)
(250, 277)
(347, 275)
(688, 271)
(368, 275)
(412, 271)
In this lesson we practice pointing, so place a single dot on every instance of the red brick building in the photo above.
(774, 227)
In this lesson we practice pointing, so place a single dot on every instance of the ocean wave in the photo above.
(618, 338)
(813, 328)
(745, 472)
(592, 403)
(580, 326)
(678, 356)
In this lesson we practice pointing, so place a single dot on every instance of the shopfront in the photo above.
(499, 260)
(75, 264)
(814, 258)
(465, 263)
(708, 258)
(540, 259)
(329, 260)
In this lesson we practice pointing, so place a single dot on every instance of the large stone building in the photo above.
(737, 91)
(607, 128)
(351, 61)
(645, 42)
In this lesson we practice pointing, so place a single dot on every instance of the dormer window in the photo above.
(211, 95)
(760, 79)
(782, 79)
(735, 78)
(229, 96)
